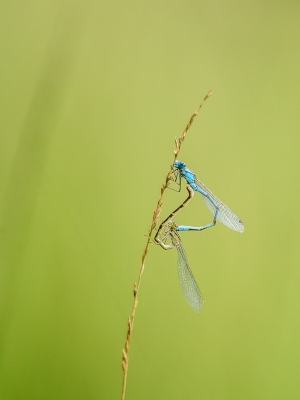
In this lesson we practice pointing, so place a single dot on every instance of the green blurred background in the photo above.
(92, 96)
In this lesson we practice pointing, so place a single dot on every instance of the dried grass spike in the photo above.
(156, 215)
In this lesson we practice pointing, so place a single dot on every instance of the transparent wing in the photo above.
(226, 216)
(188, 282)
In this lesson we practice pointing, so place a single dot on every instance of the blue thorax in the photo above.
(188, 175)
(184, 171)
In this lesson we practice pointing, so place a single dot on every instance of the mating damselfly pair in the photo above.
(168, 237)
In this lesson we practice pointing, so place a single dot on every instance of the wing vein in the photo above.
(226, 216)
(187, 281)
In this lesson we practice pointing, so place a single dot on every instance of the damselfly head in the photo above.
(179, 164)
(173, 226)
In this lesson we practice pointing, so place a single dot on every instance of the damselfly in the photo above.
(220, 211)
(168, 237)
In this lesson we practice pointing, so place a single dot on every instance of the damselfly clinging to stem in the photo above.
(220, 211)
(168, 232)
(168, 237)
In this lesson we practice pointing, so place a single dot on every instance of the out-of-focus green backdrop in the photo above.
(92, 96)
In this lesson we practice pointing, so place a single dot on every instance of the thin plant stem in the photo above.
(155, 219)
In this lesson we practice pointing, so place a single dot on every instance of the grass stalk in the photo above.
(155, 219)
